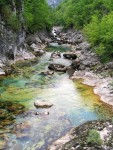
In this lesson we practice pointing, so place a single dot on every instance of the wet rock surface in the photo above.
(23, 130)
(57, 67)
(8, 112)
(76, 138)
(47, 72)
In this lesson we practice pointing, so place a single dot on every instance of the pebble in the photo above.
(46, 113)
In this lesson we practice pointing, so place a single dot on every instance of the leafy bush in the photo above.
(10, 17)
(94, 137)
(38, 15)
(94, 18)
(100, 34)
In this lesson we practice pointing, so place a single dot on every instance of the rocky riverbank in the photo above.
(33, 47)
(88, 67)
(92, 135)
(85, 65)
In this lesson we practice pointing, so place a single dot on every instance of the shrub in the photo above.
(94, 137)
(10, 18)
(100, 34)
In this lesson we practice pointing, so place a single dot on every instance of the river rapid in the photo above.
(73, 104)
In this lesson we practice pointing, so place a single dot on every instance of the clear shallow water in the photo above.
(74, 104)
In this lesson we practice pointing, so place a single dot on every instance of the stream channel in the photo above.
(73, 104)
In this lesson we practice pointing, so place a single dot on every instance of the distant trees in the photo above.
(94, 18)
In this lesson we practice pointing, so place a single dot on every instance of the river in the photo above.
(73, 104)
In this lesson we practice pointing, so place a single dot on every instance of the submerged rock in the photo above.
(58, 67)
(3, 114)
(2, 144)
(8, 111)
(47, 72)
(22, 130)
(42, 104)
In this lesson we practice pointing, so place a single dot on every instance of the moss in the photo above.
(94, 138)
(92, 101)
(18, 94)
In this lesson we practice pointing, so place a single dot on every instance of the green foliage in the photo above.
(100, 34)
(95, 18)
(38, 15)
(94, 137)
(10, 18)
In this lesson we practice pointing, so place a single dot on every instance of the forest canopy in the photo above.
(94, 18)
(37, 14)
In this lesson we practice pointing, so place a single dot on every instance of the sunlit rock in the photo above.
(42, 104)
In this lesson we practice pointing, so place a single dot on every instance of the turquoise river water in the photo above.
(73, 104)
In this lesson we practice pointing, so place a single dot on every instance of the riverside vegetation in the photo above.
(37, 14)
(32, 80)
(94, 18)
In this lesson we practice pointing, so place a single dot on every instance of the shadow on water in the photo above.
(73, 104)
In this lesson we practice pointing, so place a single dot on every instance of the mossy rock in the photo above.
(8, 111)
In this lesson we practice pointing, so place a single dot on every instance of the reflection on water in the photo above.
(74, 104)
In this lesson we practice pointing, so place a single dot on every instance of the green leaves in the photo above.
(37, 15)
(100, 34)
(94, 138)
(95, 18)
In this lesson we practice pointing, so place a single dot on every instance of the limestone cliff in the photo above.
(12, 32)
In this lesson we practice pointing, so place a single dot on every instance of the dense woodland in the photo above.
(94, 18)
(37, 14)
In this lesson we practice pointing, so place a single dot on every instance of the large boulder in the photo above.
(70, 55)
(42, 104)
(58, 67)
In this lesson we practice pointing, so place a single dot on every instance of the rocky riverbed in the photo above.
(87, 66)
(82, 64)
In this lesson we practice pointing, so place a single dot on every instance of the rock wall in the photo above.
(12, 43)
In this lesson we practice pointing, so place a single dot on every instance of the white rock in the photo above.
(42, 104)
